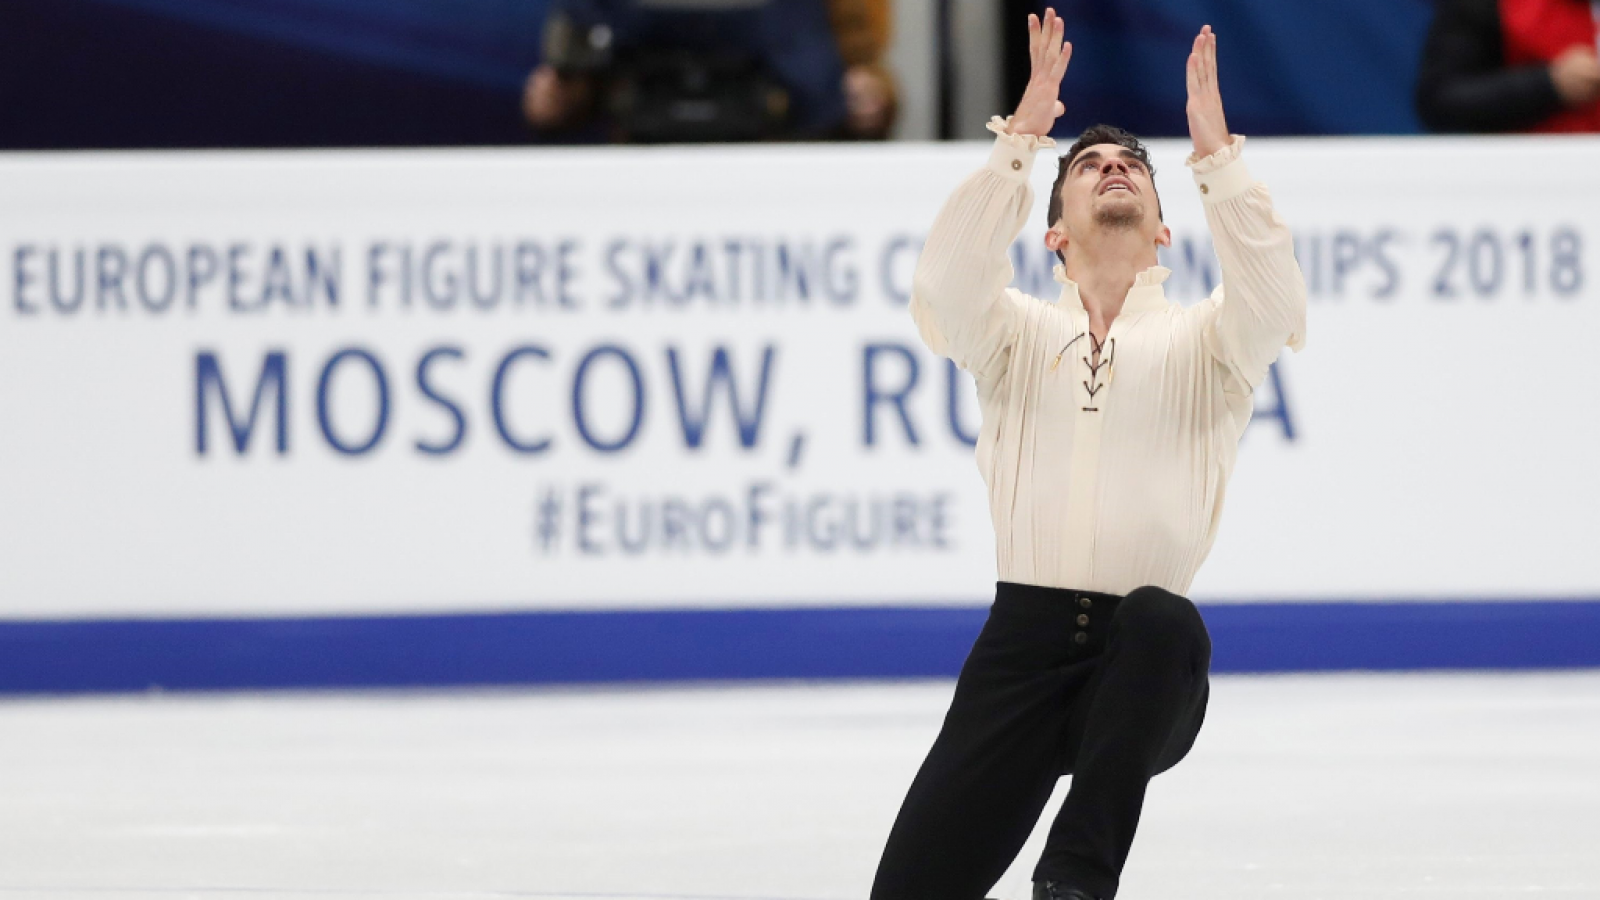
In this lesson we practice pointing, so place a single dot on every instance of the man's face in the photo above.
(1107, 187)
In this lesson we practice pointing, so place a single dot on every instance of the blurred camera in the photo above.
(573, 47)
(678, 97)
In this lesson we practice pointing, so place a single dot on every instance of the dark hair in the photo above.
(1097, 134)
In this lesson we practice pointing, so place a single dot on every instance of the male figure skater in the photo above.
(1111, 420)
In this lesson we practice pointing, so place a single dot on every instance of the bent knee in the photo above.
(1158, 616)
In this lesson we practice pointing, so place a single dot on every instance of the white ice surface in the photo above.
(1353, 786)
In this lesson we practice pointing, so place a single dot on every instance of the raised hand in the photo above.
(1041, 102)
(1207, 126)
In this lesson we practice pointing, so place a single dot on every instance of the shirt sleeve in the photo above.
(1262, 304)
(959, 299)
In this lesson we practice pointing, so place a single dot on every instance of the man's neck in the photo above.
(1104, 267)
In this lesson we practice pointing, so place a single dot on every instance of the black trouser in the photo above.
(1111, 689)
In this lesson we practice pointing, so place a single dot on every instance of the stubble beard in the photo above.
(1119, 216)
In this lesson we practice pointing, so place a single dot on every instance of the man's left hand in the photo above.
(1207, 126)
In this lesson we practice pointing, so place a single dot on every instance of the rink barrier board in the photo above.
(853, 643)
(358, 382)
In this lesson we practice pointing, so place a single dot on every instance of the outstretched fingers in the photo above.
(1057, 52)
(1044, 35)
(1201, 72)
(1040, 105)
(1058, 69)
(1211, 55)
(1047, 48)
(1207, 126)
(1191, 72)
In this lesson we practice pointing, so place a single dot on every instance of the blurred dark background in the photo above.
(267, 73)
(1288, 67)
(274, 73)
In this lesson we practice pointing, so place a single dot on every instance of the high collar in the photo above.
(1146, 295)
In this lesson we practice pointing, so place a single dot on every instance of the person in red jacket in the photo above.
(1511, 65)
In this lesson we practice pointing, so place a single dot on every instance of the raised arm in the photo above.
(1262, 306)
(958, 296)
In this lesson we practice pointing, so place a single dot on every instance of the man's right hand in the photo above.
(1576, 74)
(1041, 102)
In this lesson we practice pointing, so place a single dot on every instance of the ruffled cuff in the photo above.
(1222, 175)
(1002, 127)
(1012, 157)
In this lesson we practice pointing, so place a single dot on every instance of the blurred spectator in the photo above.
(862, 30)
(712, 70)
(1511, 65)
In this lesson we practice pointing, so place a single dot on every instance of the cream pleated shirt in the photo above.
(1109, 477)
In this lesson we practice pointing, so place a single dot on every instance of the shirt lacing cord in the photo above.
(1094, 368)
(1057, 361)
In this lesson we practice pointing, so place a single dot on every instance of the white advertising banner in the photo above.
(371, 382)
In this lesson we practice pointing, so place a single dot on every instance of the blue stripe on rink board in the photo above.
(708, 645)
